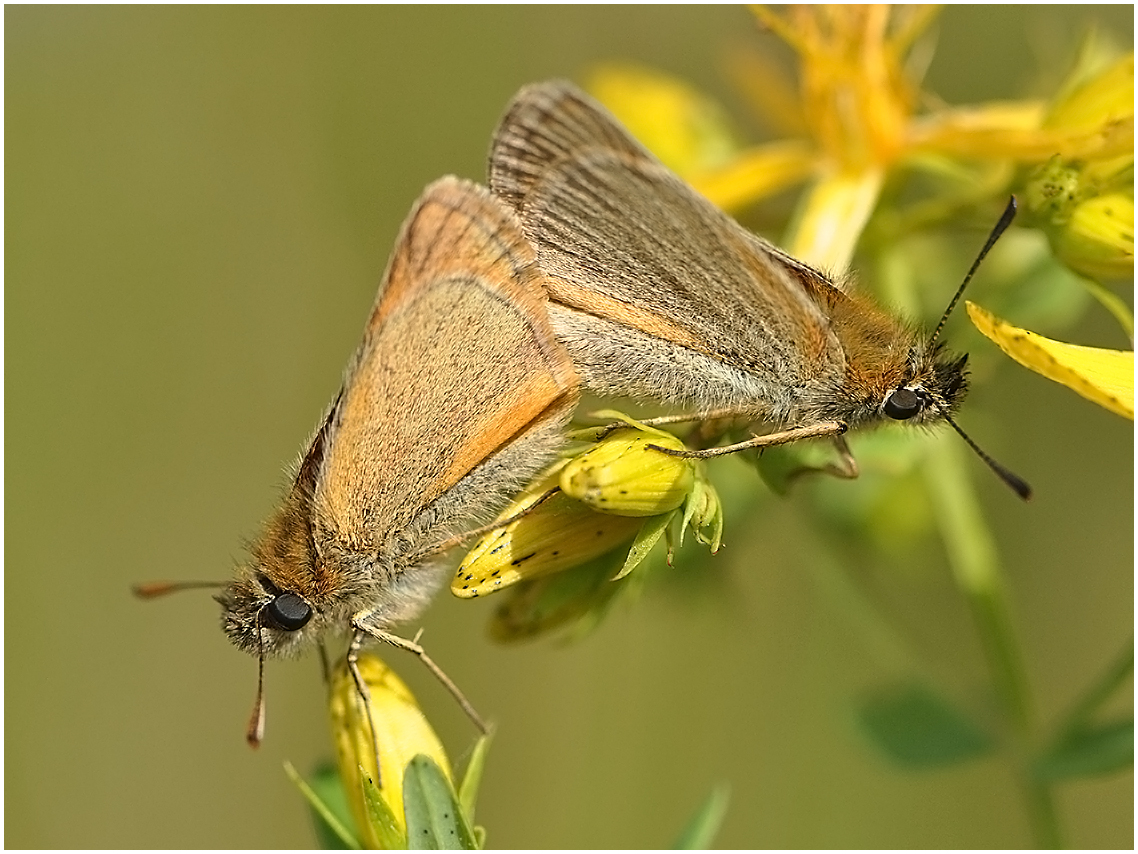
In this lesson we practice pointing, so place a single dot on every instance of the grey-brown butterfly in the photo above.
(659, 295)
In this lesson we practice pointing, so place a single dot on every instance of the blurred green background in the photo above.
(199, 203)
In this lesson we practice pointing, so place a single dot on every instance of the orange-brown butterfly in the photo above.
(458, 394)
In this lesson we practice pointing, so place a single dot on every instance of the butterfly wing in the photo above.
(655, 292)
(459, 390)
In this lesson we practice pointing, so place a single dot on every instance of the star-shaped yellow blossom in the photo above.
(858, 115)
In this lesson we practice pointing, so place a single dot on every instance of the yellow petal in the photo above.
(559, 534)
(1014, 131)
(686, 129)
(1103, 376)
(1106, 98)
(833, 216)
(756, 173)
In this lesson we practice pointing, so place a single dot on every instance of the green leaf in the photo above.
(330, 813)
(702, 827)
(326, 783)
(649, 535)
(917, 728)
(385, 827)
(1109, 682)
(1091, 751)
(472, 777)
(434, 818)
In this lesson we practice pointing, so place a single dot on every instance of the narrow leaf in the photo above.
(917, 728)
(386, 829)
(1089, 752)
(434, 818)
(472, 777)
(650, 533)
(331, 827)
(704, 825)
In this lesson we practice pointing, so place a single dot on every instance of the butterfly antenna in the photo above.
(1001, 226)
(255, 732)
(1017, 483)
(154, 589)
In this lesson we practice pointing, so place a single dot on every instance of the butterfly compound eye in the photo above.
(902, 404)
(287, 611)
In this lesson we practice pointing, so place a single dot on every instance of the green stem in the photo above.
(975, 564)
(1112, 303)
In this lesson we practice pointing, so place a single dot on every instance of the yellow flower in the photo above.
(559, 534)
(1084, 199)
(1101, 107)
(623, 473)
(859, 114)
(390, 722)
(618, 489)
(581, 597)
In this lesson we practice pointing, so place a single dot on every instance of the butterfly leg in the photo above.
(362, 690)
(795, 434)
(845, 467)
(707, 415)
(362, 626)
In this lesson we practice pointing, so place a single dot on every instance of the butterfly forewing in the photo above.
(458, 338)
(717, 318)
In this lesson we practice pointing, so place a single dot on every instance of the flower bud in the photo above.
(619, 489)
(1087, 212)
(1098, 239)
(391, 723)
(622, 475)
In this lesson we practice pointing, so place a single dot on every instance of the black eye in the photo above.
(287, 611)
(902, 404)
